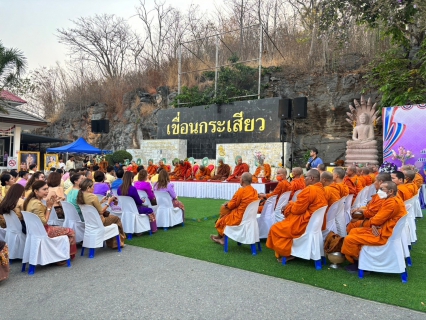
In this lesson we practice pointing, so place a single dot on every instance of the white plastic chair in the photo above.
(39, 248)
(371, 192)
(114, 192)
(72, 220)
(53, 218)
(100, 197)
(332, 213)
(294, 199)
(266, 218)
(3, 234)
(361, 198)
(247, 231)
(411, 220)
(282, 202)
(348, 206)
(310, 245)
(418, 213)
(144, 196)
(166, 215)
(95, 233)
(132, 221)
(405, 239)
(388, 258)
(15, 239)
(341, 219)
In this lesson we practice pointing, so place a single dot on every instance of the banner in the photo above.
(12, 163)
(404, 126)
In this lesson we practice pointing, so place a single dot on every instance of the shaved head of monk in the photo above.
(382, 177)
(351, 171)
(312, 177)
(409, 175)
(246, 179)
(338, 174)
(358, 171)
(326, 178)
(365, 171)
(390, 188)
(282, 171)
(297, 172)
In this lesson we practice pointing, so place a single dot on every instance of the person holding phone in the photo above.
(314, 161)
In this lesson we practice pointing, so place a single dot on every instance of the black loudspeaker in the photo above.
(300, 108)
(100, 126)
(284, 109)
(283, 133)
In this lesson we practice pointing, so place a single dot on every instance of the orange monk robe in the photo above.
(332, 194)
(152, 169)
(351, 186)
(238, 171)
(418, 180)
(281, 235)
(133, 169)
(373, 176)
(164, 167)
(282, 186)
(176, 172)
(357, 183)
(222, 172)
(371, 210)
(232, 214)
(407, 191)
(186, 171)
(342, 188)
(297, 184)
(391, 211)
(267, 172)
(360, 180)
(367, 180)
(203, 174)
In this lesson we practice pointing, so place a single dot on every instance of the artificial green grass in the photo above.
(193, 241)
(196, 210)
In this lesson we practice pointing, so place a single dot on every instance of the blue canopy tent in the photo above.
(78, 146)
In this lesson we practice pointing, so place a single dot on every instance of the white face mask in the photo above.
(382, 194)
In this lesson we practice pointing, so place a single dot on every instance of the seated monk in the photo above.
(321, 168)
(133, 168)
(184, 171)
(263, 170)
(282, 186)
(298, 182)
(338, 176)
(405, 190)
(377, 230)
(151, 169)
(332, 194)
(163, 166)
(239, 169)
(366, 175)
(175, 174)
(222, 171)
(417, 180)
(281, 235)
(410, 175)
(231, 213)
(203, 173)
(373, 172)
(372, 208)
(354, 183)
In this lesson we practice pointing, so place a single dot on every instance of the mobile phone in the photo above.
(109, 194)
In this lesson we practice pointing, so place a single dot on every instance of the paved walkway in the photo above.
(145, 284)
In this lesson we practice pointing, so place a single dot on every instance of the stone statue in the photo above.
(362, 149)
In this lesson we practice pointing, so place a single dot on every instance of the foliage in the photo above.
(234, 81)
(108, 158)
(120, 155)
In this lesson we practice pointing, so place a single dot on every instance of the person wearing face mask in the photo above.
(232, 212)
(297, 215)
(377, 230)
(405, 191)
(222, 171)
(372, 207)
(282, 186)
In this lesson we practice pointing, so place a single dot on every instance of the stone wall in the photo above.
(159, 149)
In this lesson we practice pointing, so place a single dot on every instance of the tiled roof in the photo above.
(17, 116)
(9, 96)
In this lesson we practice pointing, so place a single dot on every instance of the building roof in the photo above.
(9, 96)
(19, 117)
(33, 138)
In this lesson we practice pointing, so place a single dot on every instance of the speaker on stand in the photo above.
(100, 126)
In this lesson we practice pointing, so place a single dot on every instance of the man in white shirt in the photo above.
(70, 164)
(110, 175)
(62, 164)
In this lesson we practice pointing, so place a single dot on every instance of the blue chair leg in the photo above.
(318, 265)
(324, 261)
(253, 249)
(183, 224)
(118, 243)
(259, 247)
(404, 276)
(225, 246)
(82, 251)
(31, 270)
(129, 236)
(150, 232)
(360, 274)
(91, 253)
(409, 262)
(69, 263)
(24, 266)
(239, 243)
(409, 247)
(165, 229)
(283, 261)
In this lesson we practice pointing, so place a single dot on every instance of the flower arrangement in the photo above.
(402, 155)
(388, 167)
(259, 155)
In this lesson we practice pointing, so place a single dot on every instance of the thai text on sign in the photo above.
(239, 124)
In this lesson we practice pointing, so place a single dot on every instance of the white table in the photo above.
(212, 190)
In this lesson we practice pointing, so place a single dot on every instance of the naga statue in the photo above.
(362, 149)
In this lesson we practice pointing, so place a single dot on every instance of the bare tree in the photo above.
(104, 40)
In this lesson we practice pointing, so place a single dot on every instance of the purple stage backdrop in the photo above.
(405, 126)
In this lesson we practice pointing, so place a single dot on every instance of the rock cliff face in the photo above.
(325, 127)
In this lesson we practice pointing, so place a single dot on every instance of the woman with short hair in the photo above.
(101, 187)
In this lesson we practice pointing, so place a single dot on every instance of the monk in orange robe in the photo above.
(282, 186)
(239, 169)
(405, 191)
(332, 194)
(410, 175)
(281, 235)
(351, 174)
(366, 175)
(222, 171)
(176, 172)
(163, 166)
(232, 212)
(203, 173)
(373, 206)
(133, 168)
(262, 171)
(151, 169)
(418, 180)
(338, 176)
(298, 182)
(377, 230)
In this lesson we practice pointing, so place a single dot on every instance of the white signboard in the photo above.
(12, 162)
